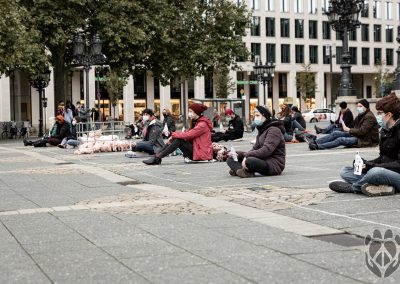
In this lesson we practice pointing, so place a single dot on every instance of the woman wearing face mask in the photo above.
(195, 143)
(235, 128)
(380, 176)
(365, 132)
(169, 122)
(268, 154)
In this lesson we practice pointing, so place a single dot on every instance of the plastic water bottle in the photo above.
(358, 164)
(234, 154)
(183, 129)
(221, 127)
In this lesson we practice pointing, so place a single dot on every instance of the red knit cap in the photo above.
(198, 108)
(228, 111)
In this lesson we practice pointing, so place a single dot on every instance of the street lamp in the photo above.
(86, 54)
(396, 82)
(39, 82)
(265, 74)
(343, 17)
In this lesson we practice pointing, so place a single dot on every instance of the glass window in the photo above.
(339, 35)
(312, 6)
(269, 5)
(364, 32)
(270, 52)
(254, 4)
(255, 26)
(326, 54)
(298, 6)
(255, 50)
(282, 79)
(299, 53)
(398, 11)
(389, 33)
(270, 26)
(377, 55)
(325, 6)
(285, 53)
(284, 6)
(353, 35)
(313, 29)
(377, 33)
(365, 55)
(285, 27)
(326, 30)
(353, 55)
(389, 56)
(365, 9)
(376, 9)
(339, 51)
(389, 11)
(299, 28)
(314, 54)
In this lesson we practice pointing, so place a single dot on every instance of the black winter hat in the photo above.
(364, 102)
(264, 111)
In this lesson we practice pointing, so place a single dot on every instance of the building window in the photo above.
(299, 28)
(364, 32)
(270, 27)
(298, 6)
(269, 5)
(285, 27)
(299, 53)
(254, 4)
(326, 30)
(339, 35)
(326, 54)
(389, 33)
(365, 9)
(353, 35)
(376, 9)
(389, 11)
(282, 79)
(312, 6)
(365, 55)
(313, 29)
(353, 55)
(271, 52)
(255, 50)
(398, 11)
(377, 55)
(389, 56)
(284, 6)
(255, 26)
(377, 33)
(285, 53)
(339, 51)
(314, 54)
(325, 6)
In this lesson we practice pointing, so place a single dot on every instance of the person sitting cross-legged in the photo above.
(268, 154)
(345, 116)
(195, 143)
(365, 132)
(235, 128)
(380, 176)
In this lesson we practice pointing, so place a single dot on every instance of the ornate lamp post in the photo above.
(39, 82)
(86, 54)
(343, 17)
(265, 74)
(396, 82)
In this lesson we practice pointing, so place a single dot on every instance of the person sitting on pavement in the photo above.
(168, 123)
(365, 132)
(72, 139)
(195, 143)
(235, 128)
(268, 154)
(345, 116)
(152, 134)
(285, 117)
(297, 119)
(380, 176)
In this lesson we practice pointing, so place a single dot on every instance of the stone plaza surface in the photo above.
(105, 218)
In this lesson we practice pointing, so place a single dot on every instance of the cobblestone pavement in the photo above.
(104, 218)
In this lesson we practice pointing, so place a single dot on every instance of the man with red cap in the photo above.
(195, 143)
(235, 128)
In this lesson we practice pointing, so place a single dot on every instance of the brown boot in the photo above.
(244, 173)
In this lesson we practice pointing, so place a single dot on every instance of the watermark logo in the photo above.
(382, 253)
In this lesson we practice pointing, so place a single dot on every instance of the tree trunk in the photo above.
(60, 74)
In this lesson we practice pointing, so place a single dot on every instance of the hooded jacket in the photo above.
(200, 136)
(270, 146)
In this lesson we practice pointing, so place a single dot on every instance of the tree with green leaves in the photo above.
(114, 84)
(305, 84)
(383, 79)
(223, 83)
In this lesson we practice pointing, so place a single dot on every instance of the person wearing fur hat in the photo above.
(365, 132)
(380, 176)
(268, 154)
(195, 143)
(235, 128)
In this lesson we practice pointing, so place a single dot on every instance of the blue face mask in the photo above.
(258, 121)
(360, 110)
(381, 122)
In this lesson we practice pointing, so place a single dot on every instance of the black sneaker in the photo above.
(309, 138)
(377, 190)
(313, 146)
(341, 187)
(244, 174)
(317, 129)
(232, 173)
(153, 161)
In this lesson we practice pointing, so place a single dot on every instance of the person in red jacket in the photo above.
(195, 143)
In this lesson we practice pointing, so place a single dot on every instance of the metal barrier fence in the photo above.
(14, 129)
(86, 130)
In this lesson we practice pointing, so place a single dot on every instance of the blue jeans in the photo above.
(336, 139)
(288, 137)
(331, 128)
(375, 176)
(144, 146)
(297, 125)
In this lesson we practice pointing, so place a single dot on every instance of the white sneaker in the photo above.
(377, 190)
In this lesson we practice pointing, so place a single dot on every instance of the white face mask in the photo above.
(145, 117)
(74, 122)
(191, 115)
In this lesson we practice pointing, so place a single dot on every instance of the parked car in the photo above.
(319, 114)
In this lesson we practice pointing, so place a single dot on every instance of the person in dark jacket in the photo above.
(235, 128)
(297, 119)
(194, 143)
(268, 154)
(169, 122)
(285, 116)
(365, 132)
(345, 116)
(152, 134)
(380, 176)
